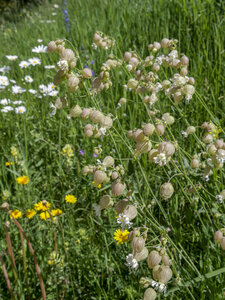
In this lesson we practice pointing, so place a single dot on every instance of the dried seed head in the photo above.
(130, 211)
(5, 206)
(218, 235)
(52, 47)
(138, 244)
(87, 73)
(148, 129)
(105, 202)
(222, 243)
(108, 161)
(127, 56)
(67, 54)
(153, 259)
(164, 274)
(118, 188)
(121, 205)
(99, 177)
(96, 116)
(139, 256)
(166, 190)
(75, 111)
(150, 294)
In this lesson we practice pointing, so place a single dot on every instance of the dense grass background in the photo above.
(94, 268)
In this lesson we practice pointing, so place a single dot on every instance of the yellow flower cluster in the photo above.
(121, 236)
(41, 206)
(70, 199)
(68, 151)
(8, 163)
(98, 186)
(15, 214)
(22, 180)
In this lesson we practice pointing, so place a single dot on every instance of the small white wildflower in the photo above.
(32, 91)
(160, 159)
(54, 109)
(40, 41)
(206, 178)
(97, 209)
(162, 288)
(55, 6)
(102, 131)
(54, 14)
(5, 101)
(184, 133)
(219, 198)
(17, 89)
(7, 109)
(20, 109)
(94, 46)
(124, 221)
(53, 93)
(34, 61)
(13, 81)
(5, 69)
(63, 65)
(11, 57)
(4, 81)
(49, 67)
(40, 49)
(131, 262)
(18, 102)
(28, 78)
(24, 64)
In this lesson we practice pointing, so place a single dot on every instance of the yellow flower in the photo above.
(98, 186)
(30, 213)
(22, 180)
(8, 163)
(41, 206)
(45, 215)
(121, 236)
(56, 212)
(70, 199)
(16, 214)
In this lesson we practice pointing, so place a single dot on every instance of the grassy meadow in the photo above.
(49, 160)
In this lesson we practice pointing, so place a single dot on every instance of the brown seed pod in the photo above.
(138, 135)
(155, 272)
(222, 243)
(138, 244)
(118, 188)
(87, 73)
(141, 255)
(99, 177)
(52, 47)
(148, 129)
(166, 190)
(108, 161)
(153, 259)
(195, 163)
(152, 154)
(67, 54)
(106, 122)
(164, 274)
(75, 111)
(166, 260)
(130, 211)
(121, 205)
(218, 235)
(160, 129)
(150, 294)
(96, 116)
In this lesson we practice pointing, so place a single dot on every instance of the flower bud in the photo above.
(114, 175)
(183, 71)
(52, 47)
(191, 80)
(155, 272)
(184, 60)
(73, 63)
(219, 144)
(138, 135)
(212, 149)
(5, 206)
(67, 54)
(190, 130)
(130, 211)
(150, 294)
(134, 62)
(165, 43)
(73, 82)
(108, 161)
(88, 133)
(166, 190)
(153, 259)
(168, 118)
(142, 147)
(132, 83)
(218, 235)
(127, 56)
(60, 49)
(106, 122)
(195, 163)
(118, 188)
(99, 177)
(138, 244)
(123, 101)
(160, 129)
(148, 129)
(87, 73)
(207, 138)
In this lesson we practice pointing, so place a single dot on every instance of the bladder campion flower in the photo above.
(70, 199)
(30, 213)
(8, 163)
(41, 206)
(56, 212)
(16, 214)
(121, 236)
(22, 180)
(45, 215)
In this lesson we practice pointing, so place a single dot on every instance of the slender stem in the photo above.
(7, 278)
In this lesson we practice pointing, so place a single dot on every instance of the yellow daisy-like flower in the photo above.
(45, 215)
(16, 214)
(56, 212)
(29, 213)
(8, 163)
(121, 236)
(41, 206)
(98, 186)
(22, 180)
(70, 199)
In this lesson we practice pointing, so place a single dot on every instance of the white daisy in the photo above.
(40, 41)
(40, 49)
(49, 67)
(18, 102)
(53, 93)
(17, 89)
(24, 64)
(5, 69)
(32, 91)
(4, 81)
(28, 78)
(7, 109)
(55, 6)
(13, 81)
(11, 57)
(54, 14)
(5, 101)
(34, 61)
(20, 109)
